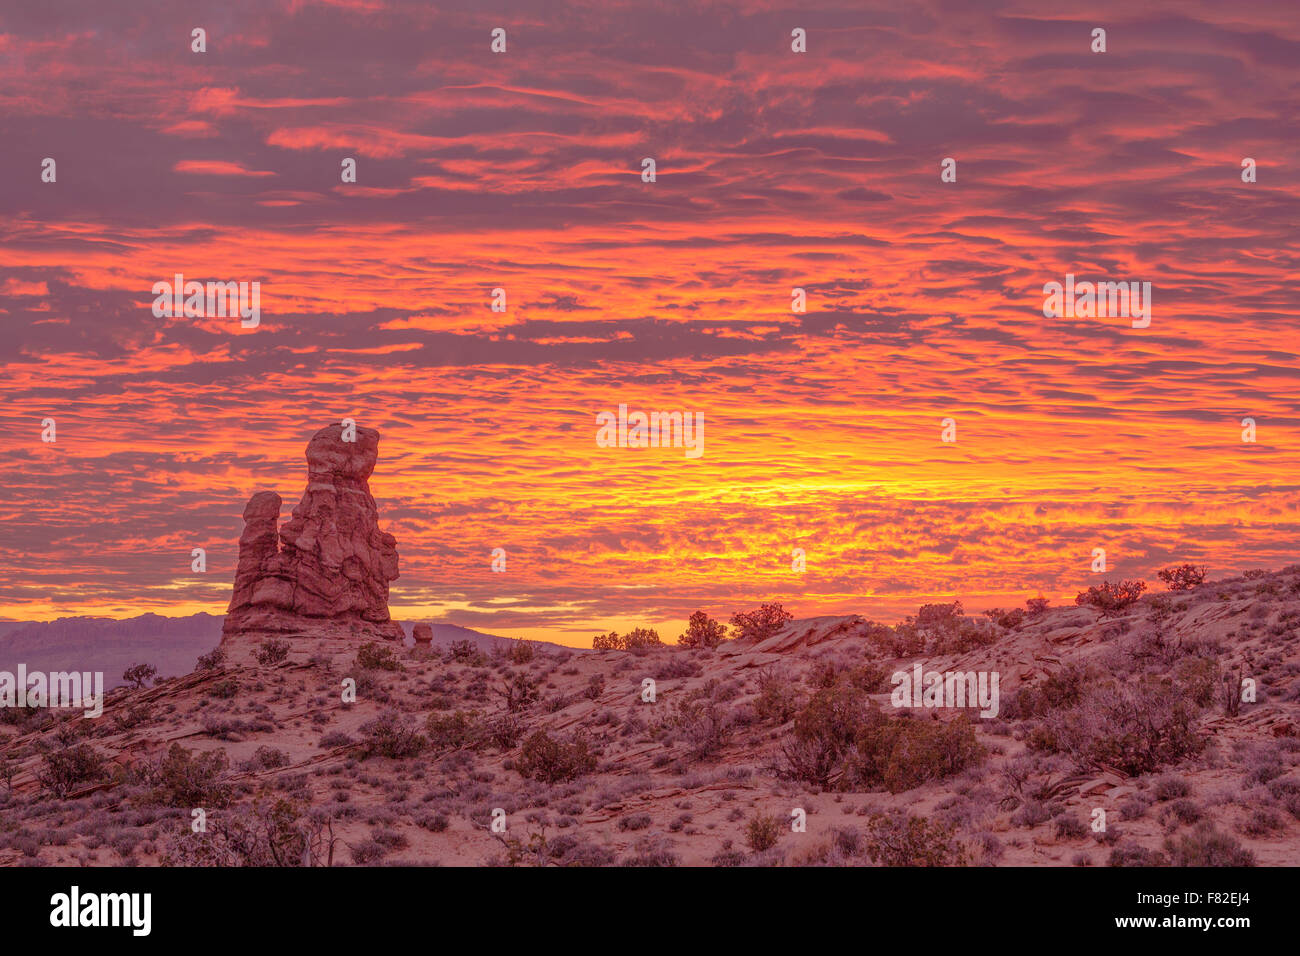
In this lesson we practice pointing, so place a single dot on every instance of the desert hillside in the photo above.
(1133, 707)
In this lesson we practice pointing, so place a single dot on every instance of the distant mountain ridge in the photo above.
(171, 644)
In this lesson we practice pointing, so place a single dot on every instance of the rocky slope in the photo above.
(435, 742)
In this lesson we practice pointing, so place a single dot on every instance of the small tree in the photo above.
(212, 660)
(637, 638)
(1184, 577)
(703, 631)
(66, 768)
(641, 637)
(761, 624)
(607, 642)
(553, 760)
(1037, 606)
(189, 779)
(1112, 597)
(139, 675)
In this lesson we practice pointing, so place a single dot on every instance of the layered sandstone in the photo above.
(329, 566)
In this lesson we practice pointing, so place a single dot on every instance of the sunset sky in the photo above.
(775, 170)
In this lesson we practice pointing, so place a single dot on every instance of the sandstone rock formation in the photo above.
(331, 563)
(804, 633)
(423, 636)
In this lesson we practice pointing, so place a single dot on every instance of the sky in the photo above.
(774, 170)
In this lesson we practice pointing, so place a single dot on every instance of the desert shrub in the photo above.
(224, 689)
(265, 758)
(870, 678)
(1112, 597)
(1263, 822)
(63, 769)
(762, 832)
(555, 760)
(900, 839)
(569, 849)
(131, 717)
(760, 624)
(389, 838)
(433, 822)
(847, 841)
(1059, 690)
(504, 732)
(139, 675)
(520, 652)
(212, 660)
(1131, 854)
(634, 821)
(824, 733)
(377, 657)
(464, 652)
(186, 778)
(1036, 607)
(520, 691)
(678, 666)
(1134, 806)
(1181, 811)
(1206, 846)
(367, 852)
(942, 629)
(595, 687)
(1200, 676)
(1030, 814)
(703, 631)
(1231, 691)
(462, 730)
(1004, 618)
(1136, 727)
(651, 850)
(1184, 577)
(728, 856)
(778, 700)
(638, 639)
(1170, 787)
(26, 719)
(902, 753)
(702, 719)
(266, 834)
(390, 735)
(839, 738)
(272, 651)
(1067, 826)
(1287, 790)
